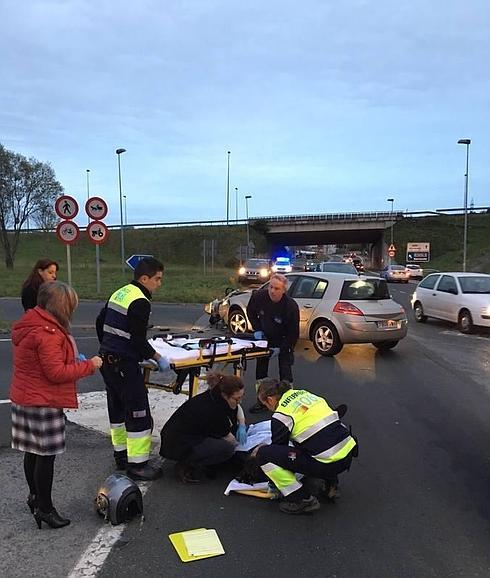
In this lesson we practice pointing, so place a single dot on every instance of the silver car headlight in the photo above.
(264, 273)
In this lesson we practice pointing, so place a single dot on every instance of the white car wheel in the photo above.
(465, 322)
(418, 312)
(325, 339)
(237, 322)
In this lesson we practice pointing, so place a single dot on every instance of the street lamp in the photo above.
(467, 142)
(88, 192)
(228, 189)
(125, 211)
(236, 203)
(248, 228)
(119, 153)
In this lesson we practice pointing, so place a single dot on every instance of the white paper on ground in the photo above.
(235, 486)
(202, 543)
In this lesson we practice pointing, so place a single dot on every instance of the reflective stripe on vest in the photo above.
(337, 452)
(114, 331)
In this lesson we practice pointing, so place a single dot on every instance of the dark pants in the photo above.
(127, 399)
(39, 471)
(209, 452)
(297, 461)
(286, 361)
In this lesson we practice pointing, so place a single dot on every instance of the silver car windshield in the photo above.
(475, 284)
(365, 289)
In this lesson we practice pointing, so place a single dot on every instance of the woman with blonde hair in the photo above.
(205, 430)
(46, 368)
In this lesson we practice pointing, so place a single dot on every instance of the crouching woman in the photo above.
(205, 430)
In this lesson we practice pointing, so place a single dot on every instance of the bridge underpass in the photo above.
(340, 229)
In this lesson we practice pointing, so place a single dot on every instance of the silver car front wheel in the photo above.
(237, 322)
(325, 339)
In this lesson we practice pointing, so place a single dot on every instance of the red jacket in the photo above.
(45, 370)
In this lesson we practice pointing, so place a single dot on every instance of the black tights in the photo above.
(39, 475)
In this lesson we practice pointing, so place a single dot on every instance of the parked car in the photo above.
(336, 267)
(282, 265)
(416, 271)
(463, 298)
(335, 308)
(395, 273)
(257, 270)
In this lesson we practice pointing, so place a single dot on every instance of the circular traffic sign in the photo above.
(67, 232)
(391, 253)
(97, 232)
(66, 207)
(96, 208)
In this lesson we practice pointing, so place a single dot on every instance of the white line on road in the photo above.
(4, 401)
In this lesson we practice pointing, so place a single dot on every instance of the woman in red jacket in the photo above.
(46, 367)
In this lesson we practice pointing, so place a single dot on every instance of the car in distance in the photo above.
(462, 298)
(282, 265)
(310, 266)
(254, 270)
(335, 309)
(416, 271)
(336, 267)
(358, 264)
(395, 273)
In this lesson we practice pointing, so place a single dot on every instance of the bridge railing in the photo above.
(368, 216)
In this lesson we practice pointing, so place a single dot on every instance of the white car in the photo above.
(463, 298)
(415, 271)
(282, 265)
(335, 308)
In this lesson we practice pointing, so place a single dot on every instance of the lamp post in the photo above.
(88, 192)
(118, 153)
(467, 142)
(236, 203)
(248, 229)
(125, 211)
(228, 189)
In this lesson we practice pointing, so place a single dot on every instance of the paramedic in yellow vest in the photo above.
(121, 328)
(322, 446)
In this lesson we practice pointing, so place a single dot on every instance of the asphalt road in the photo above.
(415, 502)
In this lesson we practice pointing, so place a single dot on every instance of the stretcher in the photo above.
(188, 356)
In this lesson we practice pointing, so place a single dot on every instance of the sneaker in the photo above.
(144, 472)
(186, 473)
(258, 407)
(303, 506)
(121, 459)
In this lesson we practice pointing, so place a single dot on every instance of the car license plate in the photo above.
(389, 324)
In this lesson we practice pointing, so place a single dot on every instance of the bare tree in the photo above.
(27, 188)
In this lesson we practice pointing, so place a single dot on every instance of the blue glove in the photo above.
(275, 352)
(163, 363)
(258, 335)
(81, 357)
(241, 434)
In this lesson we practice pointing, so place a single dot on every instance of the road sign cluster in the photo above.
(67, 231)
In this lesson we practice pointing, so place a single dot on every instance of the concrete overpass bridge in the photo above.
(331, 228)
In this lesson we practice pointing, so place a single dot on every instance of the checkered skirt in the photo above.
(38, 430)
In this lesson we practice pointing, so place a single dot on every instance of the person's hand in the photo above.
(241, 434)
(259, 335)
(81, 357)
(96, 361)
(275, 352)
(163, 363)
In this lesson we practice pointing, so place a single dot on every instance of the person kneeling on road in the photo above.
(322, 445)
(205, 430)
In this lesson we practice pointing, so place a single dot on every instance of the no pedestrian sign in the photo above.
(67, 232)
(97, 232)
(96, 208)
(66, 207)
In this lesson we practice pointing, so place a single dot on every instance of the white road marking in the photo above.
(4, 401)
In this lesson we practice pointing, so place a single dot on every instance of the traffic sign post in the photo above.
(68, 233)
(418, 252)
(96, 208)
(391, 251)
(66, 207)
(97, 231)
(134, 260)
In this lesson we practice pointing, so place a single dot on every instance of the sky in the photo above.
(325, 106)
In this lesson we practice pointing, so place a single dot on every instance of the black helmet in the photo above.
(119, 499)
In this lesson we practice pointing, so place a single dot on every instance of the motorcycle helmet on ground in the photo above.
(119, 499)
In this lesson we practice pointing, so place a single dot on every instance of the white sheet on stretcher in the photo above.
(176, 352)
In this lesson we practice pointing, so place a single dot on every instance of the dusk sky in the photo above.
(325, 106)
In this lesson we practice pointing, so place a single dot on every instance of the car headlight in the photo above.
(288, 269)
(264, 272)
(485, 312)
(242, 271)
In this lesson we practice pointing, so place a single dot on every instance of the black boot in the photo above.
(186, 473)
(145, 472)
(121, 459)
(32, 502)
(52, 519)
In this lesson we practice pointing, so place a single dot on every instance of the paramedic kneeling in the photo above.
(322, 446)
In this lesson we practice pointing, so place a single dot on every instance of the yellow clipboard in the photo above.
(178, 543)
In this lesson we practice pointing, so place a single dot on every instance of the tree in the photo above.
(28, 188)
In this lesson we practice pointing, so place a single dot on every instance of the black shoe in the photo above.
(121, 459)
(52, 519)
(144, 472)
(303, 506)
(258, 407)
(186, 473)
(32, 502)
(341, 410)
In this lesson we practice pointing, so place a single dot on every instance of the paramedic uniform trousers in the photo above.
(280, 462)
(286, 361)
(129, 410)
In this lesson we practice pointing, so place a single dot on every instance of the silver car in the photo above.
(395, 273)
(463, 298)
(335, 308)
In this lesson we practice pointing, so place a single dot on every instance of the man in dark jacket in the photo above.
(121, 329)
(274, 316)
